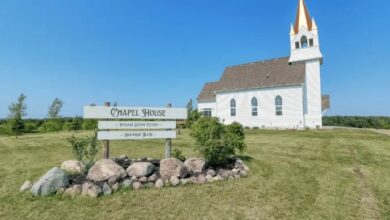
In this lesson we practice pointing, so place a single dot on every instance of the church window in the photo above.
(233, 107)
(311, 42)
(297, 45)
(304, 42)
(279, 105)
(254, 106)
(207, 112)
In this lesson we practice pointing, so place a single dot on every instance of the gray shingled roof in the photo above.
(262, 74)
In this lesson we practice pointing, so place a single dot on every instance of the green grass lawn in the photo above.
(329, 174)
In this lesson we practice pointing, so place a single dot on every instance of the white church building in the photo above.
(275, 93)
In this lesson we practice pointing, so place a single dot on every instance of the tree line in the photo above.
(376, 122)
(16, 124)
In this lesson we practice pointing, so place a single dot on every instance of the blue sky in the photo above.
(151, 52)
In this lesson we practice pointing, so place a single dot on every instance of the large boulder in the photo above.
(140, 169)
(73, 167)
(50, 182)
(105, 169)
(172, 167)
(195, 165)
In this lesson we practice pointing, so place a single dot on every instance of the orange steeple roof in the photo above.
(303, 17)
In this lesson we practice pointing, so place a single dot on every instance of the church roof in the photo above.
(262, 74)
(303, 17)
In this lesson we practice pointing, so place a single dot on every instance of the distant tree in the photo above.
(55, 108)
(76, 124)
(115, 104)
(17, 112)
(193, 116)
(189, 107)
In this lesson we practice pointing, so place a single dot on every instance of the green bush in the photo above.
(89, 124)
(217, 142)
(30, 127)
(5, 129)
(52, 125)
(178, 154)
(85, 149)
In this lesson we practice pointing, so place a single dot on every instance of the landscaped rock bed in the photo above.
(107, 176)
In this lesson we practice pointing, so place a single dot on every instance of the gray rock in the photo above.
(187, 181)
(235, 171)
(85, 187)
(26, 186)
(243, 173)
(217, 178)
(143, 179)
(195, 165)
(94, 191)
(50, 182)
(225, 174)
(73, 191)
(73, 167)
(174, 181)
(140, 169)
(137, 185)
(236, 176)
(149, 185)
(172, 167)
(106, 189)
(113, 180)
(115, 187)
(211, 172)
(91, 190)
(209, 178)
(201, 179)
(105, 169)
(159, 183)
(127, 183)
(134, 178)
(152, 178)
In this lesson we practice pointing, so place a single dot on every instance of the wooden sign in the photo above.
(131, 125)
(106, 112)
(135, 135)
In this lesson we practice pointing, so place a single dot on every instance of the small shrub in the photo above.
(5, 129)
(217, 142)
(76, 124)
(178, 154)
(30, 127)
(78, 147)
(85, 149)
(255, 128)
(52, 125)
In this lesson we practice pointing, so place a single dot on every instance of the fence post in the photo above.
(168, 142)
(106, 143)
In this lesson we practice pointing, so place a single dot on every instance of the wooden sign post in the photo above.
(106, 143)
(168, 142)
(135, 130)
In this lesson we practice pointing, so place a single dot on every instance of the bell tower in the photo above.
(305, 47)
(304, 40)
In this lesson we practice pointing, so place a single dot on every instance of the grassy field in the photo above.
(329, 174)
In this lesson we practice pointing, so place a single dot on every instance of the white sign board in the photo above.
(137, 125)
(104, 112)
(135, 135)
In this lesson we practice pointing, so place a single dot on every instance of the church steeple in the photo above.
(303, 18)
(304, 38)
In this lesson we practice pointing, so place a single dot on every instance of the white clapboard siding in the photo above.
(129, 125)
(103, 112)
(292, 107)
(135, 135)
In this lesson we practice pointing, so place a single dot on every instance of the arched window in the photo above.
(279, 105)
(254, 106)
(233, 107)
(303, 41)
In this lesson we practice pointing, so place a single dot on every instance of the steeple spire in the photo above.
(303, 17)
